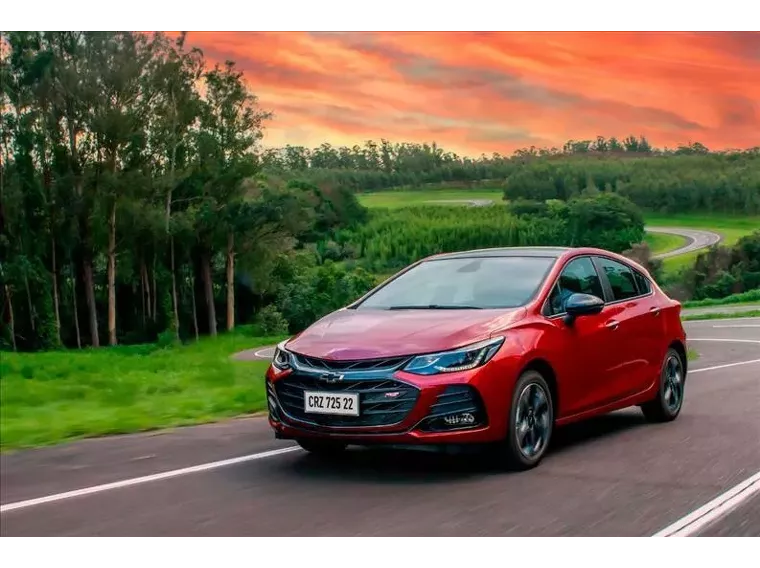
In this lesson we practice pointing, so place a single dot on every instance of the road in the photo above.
(615, 475)
(696, 239)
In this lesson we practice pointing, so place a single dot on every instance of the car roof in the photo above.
(546, 252)
(536, 252)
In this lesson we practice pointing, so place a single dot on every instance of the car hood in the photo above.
(368, 334)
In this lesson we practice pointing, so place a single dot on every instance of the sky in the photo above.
(476, 93)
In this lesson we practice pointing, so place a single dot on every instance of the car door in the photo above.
(630, 319)
(588, 355)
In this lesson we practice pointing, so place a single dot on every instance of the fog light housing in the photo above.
(461, 419)
(454, 421)
(457, 407)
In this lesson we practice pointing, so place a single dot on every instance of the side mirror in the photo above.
(582, 305)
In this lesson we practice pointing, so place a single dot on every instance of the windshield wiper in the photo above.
(435, 307)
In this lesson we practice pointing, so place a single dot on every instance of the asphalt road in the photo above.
(615, 475)
(696, 239)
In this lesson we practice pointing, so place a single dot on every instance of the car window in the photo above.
(642, 282)
(578, 277)
(620, 278)
(478, 282)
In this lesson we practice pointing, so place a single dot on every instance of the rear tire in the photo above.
(325, 448)
(667, 404)
(531, 423)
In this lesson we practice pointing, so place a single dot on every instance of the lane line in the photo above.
(709, 512)
(702, 370)
(144, 479)
(736, 326)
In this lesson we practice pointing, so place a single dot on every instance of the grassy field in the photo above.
(726, 315)
(50, 397)
(749, 297)
(663, 242)
(393, 199)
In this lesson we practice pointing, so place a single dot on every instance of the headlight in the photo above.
(462, 359)
(281, 359)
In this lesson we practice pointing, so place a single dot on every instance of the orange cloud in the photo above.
(495, 92)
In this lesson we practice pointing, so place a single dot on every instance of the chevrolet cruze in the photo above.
(495, 346)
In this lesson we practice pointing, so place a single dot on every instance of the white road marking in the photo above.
(736, 326)
(702, 370)
(145, 479)
(689, 339)
(722, 504)
(260, 354)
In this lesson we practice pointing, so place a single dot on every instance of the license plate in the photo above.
(341, 404)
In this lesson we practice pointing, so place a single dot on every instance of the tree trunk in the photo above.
(208, 289)
(89, 288)
(175, 299)
(76, 310)
(85, 234)
(230, 282)
(11, 320)
(56, 303)
(112, 276)
(146, 286)
(172, 162)
(29, 302)
(195, 312)
(143, 291)
(155, 292)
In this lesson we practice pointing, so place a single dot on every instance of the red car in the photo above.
(491, 346)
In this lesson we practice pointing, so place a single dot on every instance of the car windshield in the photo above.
(461, 283)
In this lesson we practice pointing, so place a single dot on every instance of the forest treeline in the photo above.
(686, 178)
(138, 202)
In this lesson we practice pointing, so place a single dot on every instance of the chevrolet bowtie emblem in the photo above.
(331, 377)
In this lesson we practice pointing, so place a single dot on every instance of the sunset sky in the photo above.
(487, 92)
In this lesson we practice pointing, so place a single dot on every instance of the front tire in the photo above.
(531, 423)
(666, 405)
(326, 448)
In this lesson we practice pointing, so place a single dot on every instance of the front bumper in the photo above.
(399, 408)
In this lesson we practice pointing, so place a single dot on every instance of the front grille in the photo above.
(453, 401)
(384, 364)
(378, 406)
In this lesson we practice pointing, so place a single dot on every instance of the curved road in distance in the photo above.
(615, 475)
(696, 239)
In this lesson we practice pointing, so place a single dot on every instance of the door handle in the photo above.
(612, 324)
(655, 311)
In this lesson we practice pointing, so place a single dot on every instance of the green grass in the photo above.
(725, 315)
(663, 242)
(46, 398)
(691, 355)
(749, 297)
(394, 199)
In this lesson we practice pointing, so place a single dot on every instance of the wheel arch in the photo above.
(680, 348)
(543, 366)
